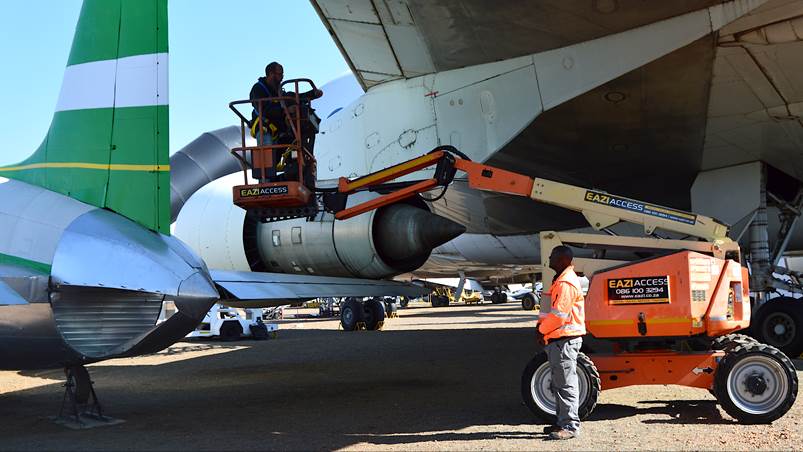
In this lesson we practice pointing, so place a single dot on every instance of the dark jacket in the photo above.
(271, 110)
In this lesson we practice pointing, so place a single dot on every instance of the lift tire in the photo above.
(83, 384)
(754, 370)
(351, 314)
(730, 341)
(779, 322)
(231, 330)
(528, 302)
(374, 314)
(537, 395)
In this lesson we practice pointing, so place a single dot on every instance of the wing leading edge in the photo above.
(254, 289)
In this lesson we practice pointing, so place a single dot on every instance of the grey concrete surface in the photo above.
(435, 379)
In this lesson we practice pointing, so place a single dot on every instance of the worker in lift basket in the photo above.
(271, 127)
(561, 330)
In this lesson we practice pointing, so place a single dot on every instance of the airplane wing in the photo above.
(391, 40)
(9, 296)
(255, 289)
(756, 105)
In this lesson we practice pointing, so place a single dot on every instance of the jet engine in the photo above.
(382, 243)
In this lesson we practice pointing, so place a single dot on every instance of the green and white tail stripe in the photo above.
(136, 81)
(108, 141)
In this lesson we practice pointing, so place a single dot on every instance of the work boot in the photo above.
(551, 429)
(562, 434)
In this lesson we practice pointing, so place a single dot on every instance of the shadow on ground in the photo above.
(316, 389)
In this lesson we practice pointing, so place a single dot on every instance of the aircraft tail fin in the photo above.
(108, 142)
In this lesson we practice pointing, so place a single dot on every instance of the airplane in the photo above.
(693, 105)
(87, 258)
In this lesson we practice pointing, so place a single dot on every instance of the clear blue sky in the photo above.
(217, 50)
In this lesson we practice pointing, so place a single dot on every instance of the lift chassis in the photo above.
(668, 308)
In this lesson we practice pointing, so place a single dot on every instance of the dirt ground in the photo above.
(434, 379)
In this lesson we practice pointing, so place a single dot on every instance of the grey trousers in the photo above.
(562, 355)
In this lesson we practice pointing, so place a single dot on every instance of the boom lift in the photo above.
(670, 317)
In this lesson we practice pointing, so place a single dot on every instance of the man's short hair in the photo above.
(271, 67)
(563, 251)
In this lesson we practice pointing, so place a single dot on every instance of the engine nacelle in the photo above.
(386, 242)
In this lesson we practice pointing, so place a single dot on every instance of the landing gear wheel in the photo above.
(756, 383)
(499, 298)
(351, 313)
(536, 390)
(404, 301)
(231, 330)
(528, 302)
(374, 314)
(780, 323)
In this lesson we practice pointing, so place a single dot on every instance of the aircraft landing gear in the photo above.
(362, 315)
(80, 408)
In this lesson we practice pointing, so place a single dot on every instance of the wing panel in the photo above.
(277, 286)
(371, 51)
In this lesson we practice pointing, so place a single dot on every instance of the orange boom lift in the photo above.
(668, 315)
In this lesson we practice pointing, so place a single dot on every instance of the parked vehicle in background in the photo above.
(529, 298)
(232, 324)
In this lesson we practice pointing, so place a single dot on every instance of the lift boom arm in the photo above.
(599, 208)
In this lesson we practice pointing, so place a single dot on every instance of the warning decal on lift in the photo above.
(264, 191)
(640, 207)
(641, 290)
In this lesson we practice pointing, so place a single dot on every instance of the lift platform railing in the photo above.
(267, 158)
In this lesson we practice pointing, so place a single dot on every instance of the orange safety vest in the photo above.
(567, 317)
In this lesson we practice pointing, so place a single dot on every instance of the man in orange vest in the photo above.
(561, 330)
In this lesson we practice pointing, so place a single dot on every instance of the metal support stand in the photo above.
(763, 260)
(80, 407)
(458, 295)
(760, 268)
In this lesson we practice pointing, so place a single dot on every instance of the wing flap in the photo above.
(270, 289)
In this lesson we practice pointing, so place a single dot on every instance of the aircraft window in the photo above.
(277, 238)
(295, 235)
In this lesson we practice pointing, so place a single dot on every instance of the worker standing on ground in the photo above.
(561, 330)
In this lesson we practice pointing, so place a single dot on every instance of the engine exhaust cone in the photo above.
(407, 234)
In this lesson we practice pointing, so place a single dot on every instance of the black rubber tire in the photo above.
(351, 314)
(788, 311)
(83, 384)
(374, 314)
(231, 330)
(584, 365)
(391, 309)
(730, 341)
(752, 351)
(439, 301)
(499, 298)
(528, 302)
(259, 331)
(404, 301)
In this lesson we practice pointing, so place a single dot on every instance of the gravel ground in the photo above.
(435, 379)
